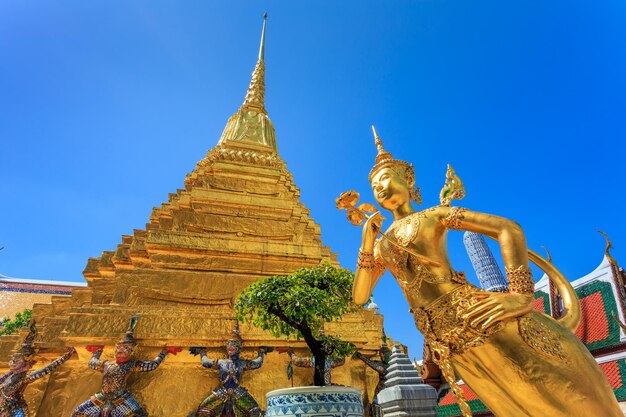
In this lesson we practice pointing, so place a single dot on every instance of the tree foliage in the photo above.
(298, 305)
(22, 319)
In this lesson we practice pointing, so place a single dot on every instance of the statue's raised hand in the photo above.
(371, 228)
(265, 349)
(197, 350)
(94, 348)
(173, 349)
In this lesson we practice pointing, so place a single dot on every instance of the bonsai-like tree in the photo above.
(298, 305)
(11, 326)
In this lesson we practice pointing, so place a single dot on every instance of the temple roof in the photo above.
(4, 278)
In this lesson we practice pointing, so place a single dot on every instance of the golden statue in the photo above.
(520, 362)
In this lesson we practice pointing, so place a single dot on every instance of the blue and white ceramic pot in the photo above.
(330, 401)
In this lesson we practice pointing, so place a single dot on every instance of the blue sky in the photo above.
(105, 106)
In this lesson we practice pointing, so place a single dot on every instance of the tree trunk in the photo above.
(319, 354)
(320, 365)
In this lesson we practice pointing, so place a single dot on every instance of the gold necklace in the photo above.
(405, 230)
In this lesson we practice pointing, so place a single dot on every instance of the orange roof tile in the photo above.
(594, 325)
(611, 369)
(539, 305)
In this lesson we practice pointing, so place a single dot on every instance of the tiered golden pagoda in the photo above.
(238, 219)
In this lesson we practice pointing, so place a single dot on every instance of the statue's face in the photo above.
(123, 352)
(18, 363)
(233, 349)
(390, 189)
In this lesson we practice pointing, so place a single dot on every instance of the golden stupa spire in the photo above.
(250, 126)
(255, 97)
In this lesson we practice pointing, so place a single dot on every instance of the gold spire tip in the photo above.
(262, 46)
(382, 153)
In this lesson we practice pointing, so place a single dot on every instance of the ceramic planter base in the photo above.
(312, 401)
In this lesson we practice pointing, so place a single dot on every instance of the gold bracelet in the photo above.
(520, 280)
(366, 260)
(454, 218)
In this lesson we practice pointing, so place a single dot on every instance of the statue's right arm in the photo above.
(95, 363)
(206, 362)
(369, 267)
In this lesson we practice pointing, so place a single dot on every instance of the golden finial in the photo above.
(453, 189)
(607, 249)
(255, 97)
(547, 253)
(609, 245)
(613, 263)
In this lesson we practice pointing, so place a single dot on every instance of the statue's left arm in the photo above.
(375, 365)
(147, 366)
(34, 375)
(497, 306)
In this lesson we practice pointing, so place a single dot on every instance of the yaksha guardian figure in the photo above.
(14, 382)
(114, 400)
(230, 399)
(380, 367)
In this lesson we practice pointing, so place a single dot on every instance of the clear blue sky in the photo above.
(106, 105)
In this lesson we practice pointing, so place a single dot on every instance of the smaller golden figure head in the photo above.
(391, 177)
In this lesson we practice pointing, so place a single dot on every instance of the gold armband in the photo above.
(366, 260)
(520, 280)
(454, 218)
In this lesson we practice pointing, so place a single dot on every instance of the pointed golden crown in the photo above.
(384, 160)
(235, 337)
(129, 337)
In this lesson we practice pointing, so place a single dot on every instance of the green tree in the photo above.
(22, 319)
(298, 305)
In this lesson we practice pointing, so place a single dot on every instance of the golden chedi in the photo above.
(237, 219)
(520, 362)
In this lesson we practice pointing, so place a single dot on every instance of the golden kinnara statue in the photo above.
(520, 363)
